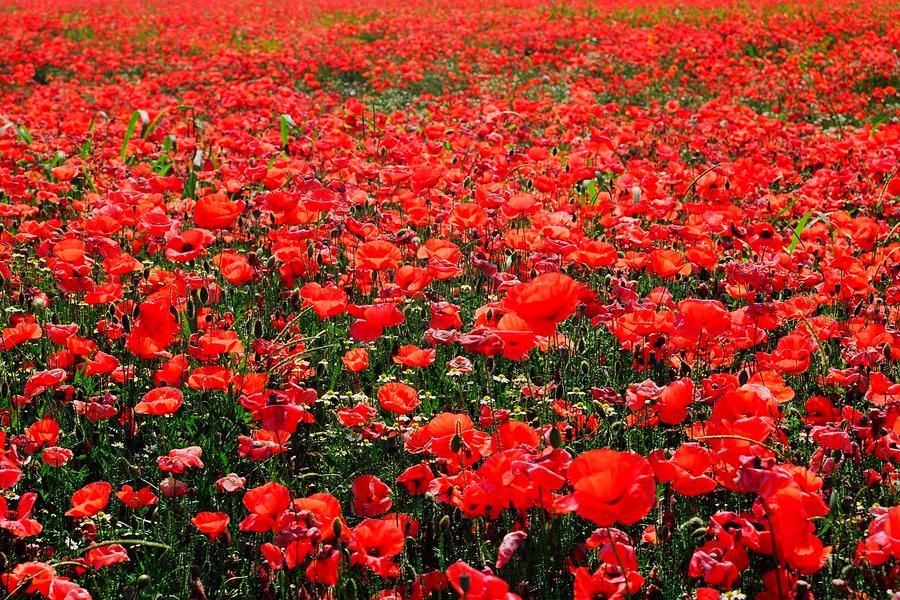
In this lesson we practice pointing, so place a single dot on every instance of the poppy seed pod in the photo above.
(555, 438)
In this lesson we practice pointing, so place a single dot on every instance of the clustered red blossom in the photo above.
(249, 209)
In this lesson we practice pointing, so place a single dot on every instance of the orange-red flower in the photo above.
(610, 487)
(90, 499)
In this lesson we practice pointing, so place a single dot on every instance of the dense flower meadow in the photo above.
(481, 299)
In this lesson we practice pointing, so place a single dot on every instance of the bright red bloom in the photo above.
(90, 499)
(413, 356)
(216, 211)
(137, 499)
(160, 401)
(478, 585)
(105, 556)
(544, 301)
(398, 397)
(374, 542)
(356, 360)
(327, 301)
(371, 497)
(266, 503)
(214, 524)
(610, 487)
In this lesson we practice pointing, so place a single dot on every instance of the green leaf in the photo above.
(786, 208)
(132, 123)
(286, 124)
(798, 229)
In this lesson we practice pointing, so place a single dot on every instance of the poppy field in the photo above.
(481, 299)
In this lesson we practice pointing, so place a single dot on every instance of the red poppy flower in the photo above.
(234, 266)
(180, 460)
(216, 211)
(266, 503)
(356, 360)
(214, 524)
(398, 397)
(18, 334)
(30, 577)
(137, 499)
(413, 356)
(610, 487)
(370, 496)
(327, 301)
(544, 301)
(377, 255)
(357, 416)
(230, 483)
(105, 556)
(471, 584)
(416, 479)
(160, 401)
(374, 542)
(56, 456)
(188, 245)
(90, 499)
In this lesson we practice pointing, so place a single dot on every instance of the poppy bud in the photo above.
(257, 329)
(204, 294)
(191, 309)
(270, 263)
(456, 443)
(146, 273)
(555, 438)
(322, 369)
(692, 522)
(337, 527)
(444, 523)
(350, 589)
(887, 352)
(585, 367)
(840, 586)
(126, 324)
(743, 378)
(465, 582)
